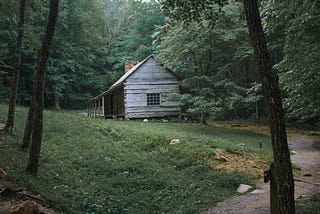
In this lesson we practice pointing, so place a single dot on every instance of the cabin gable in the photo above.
(147, 91)
(142, 92)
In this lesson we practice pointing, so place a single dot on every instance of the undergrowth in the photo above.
(105, 166)
(311, 206)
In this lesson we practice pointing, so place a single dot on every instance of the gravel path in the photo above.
(258, 201)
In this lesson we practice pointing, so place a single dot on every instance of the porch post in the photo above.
(99, 108)
(92, 110)
(103, 106)
(88, 109)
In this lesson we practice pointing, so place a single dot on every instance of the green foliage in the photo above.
(254, 93)
(293, 30)
(8, 35)
(213, 56)
(312, 206)
(205, 42)
(301, 67)
(77, 65)
(217, 46)
(188, 10)
(102, 166)
(92, 41)
(135, 41)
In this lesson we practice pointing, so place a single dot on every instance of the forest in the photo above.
(213, 56)
(253, 61)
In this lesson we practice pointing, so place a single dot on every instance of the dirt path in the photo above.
(307, 182)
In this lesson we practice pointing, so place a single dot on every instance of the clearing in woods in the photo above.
(133, 162)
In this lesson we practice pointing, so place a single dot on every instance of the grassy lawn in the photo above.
(103, 166)
(310, 206)
(316, 144)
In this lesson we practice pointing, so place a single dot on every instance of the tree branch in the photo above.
(6, 67)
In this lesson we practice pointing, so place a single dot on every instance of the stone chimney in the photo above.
(129, 64)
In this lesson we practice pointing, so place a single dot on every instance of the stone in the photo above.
(293, 152)
(174, 141)
(257, 191)
(243, 188)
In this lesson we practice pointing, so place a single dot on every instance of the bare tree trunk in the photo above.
(203, 120)
(38, 91)
(15, 81)
(28, 129)
(237, 114)
(257, 112)
(56, 101)
(282, 164)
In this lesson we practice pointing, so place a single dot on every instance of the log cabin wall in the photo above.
(142, 92)
(153, 81)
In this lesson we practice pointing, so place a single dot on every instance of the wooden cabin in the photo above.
(142, 92)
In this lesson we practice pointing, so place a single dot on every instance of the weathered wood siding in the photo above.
(150, 78)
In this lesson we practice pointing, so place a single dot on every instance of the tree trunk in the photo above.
(203, 120)
(237, 114)
(257, 112)
(282, 165)
(14, 85)
(56, 101)
(28, 129)
(38, 91)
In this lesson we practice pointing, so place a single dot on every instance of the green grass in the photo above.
(316, 144)
(103, 166)
(311, 206)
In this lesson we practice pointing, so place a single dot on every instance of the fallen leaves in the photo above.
(231, 161)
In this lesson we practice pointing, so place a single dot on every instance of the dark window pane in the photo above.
(153, 99)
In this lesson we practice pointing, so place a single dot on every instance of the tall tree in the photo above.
(17, 55)
(300, 66)
(135, 41)
(292, 29)
(184, 10)
(37, 103)
(92, 41)
(270, 84)
(77, 65)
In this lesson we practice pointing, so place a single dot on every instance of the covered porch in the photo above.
(109, 104)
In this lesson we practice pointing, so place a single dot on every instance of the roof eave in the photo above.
(110, 90)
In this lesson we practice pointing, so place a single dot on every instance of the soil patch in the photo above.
(19, 200)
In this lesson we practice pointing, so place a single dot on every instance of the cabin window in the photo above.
(153, 99)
